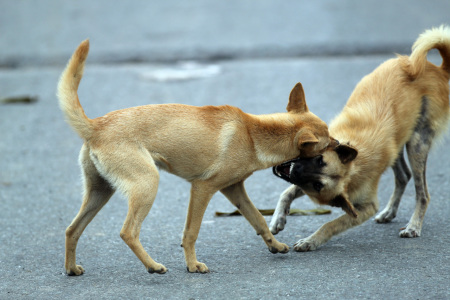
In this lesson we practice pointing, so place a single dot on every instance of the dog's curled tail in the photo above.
(435, 38)
(68, 92)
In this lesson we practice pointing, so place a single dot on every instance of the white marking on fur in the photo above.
(269, 159)
(225, 138)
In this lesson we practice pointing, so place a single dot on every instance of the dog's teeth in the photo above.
(290, 169)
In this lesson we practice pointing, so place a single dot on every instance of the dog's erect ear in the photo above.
(346, 153)
(297, 102)
(342, 202)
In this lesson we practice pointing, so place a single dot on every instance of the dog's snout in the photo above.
(296, 171)
(297, 167)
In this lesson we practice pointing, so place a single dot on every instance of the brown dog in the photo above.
(404, 103)
(214, 148)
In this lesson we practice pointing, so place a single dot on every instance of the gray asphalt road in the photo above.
(247, 54)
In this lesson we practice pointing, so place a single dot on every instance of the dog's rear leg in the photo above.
(418, 148)
(201, 194)
(282, 210)
(97, 192)
(237, 195)
(141, 189)
(402, 175)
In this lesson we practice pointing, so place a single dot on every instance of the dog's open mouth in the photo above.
(284, 170)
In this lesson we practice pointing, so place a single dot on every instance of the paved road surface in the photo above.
(243, 53)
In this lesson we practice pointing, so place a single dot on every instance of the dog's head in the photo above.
(312, 137)
(324, 178)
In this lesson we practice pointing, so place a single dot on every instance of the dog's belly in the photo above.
(206, 166)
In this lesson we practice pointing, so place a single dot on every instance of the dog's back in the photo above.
(383, 110)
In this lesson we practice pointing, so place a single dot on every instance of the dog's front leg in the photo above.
(238, 196)
(337, 226)
(200, 196)
(284, 204)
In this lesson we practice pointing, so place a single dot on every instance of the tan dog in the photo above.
(404, 103)
(214, 148)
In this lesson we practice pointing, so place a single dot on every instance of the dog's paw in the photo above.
(75, 271)
(385, 216)
(277, 224)
(281, 248)
(305, 245)
(409, 232)
(159, 269)
(197, 267)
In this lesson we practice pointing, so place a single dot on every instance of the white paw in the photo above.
(306, 245)
(385, 216)
(277, 223)
(409, 232)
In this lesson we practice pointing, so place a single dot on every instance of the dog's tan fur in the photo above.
(214, 148)
(404, 103)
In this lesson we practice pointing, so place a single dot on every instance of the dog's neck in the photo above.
(273, 143)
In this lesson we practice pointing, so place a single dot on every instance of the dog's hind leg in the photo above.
(139, 179)
(402, 175)
(97, 192)
(238, 196)
(282, 210)
(418, 148)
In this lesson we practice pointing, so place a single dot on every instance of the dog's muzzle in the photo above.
(284, 170)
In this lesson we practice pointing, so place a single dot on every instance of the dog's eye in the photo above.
(320, 161)
(317, 186)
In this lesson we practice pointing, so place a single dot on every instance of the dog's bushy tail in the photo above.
(435, 38)
(68, 92)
